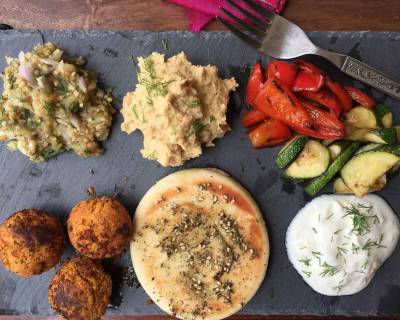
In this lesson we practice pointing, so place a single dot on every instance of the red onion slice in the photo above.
(25, 73)
(82, 84)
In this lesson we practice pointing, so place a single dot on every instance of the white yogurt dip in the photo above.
(338, 242)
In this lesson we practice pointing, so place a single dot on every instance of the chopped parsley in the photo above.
(197, 126)
(49, 109)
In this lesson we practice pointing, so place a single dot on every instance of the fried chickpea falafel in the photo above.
(99, 228)
(80, 290)
(31, 242)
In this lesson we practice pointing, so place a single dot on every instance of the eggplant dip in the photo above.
(50, 104)
(178, 107)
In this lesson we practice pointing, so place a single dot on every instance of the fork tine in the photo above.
(257, 21)
(259, 8)
(240, 34)
(243, 24)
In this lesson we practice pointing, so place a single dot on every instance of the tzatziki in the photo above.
(338, 242)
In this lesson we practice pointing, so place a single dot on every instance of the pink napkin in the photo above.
(201, 12)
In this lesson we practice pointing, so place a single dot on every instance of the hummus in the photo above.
(178, 107)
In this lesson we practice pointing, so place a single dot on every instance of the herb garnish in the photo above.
(307, 273)
(49, 109)
(341, 251)
(63, 85)
(165, 43)
(360, 216)
(11, 78)
(354, 248)
(152, 156)
(328, 270)
(197, 126)
(307, 262)
(317, 255)
(134, 111)
(194, 104)
(50, 153)
(373, 244)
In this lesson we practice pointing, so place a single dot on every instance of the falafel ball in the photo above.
(99, 228)
(31, 242)
(80, 290)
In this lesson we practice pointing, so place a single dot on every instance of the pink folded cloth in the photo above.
(201, 12)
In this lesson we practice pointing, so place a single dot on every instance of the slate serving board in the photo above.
(58, 184)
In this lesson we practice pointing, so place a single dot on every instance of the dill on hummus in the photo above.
(178, 106)
(50, 104)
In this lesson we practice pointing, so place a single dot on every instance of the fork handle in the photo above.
(363, 72)
(371, 76)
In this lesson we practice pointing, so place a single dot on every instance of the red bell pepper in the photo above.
(322, 133)
(323, 119)
(326, 98)
(341, 93)
(308, 81)
(277, 101)
(309, 67)
(254, 83)
(253, 117)
(283, 71)
(360, 97)
(268, 133)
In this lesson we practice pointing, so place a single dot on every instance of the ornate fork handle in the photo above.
(365, 73)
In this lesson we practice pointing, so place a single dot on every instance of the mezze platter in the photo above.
(121, 171)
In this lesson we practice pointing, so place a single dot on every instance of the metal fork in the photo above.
(279, 38)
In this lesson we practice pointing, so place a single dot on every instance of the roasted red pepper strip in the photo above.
(279, 102)
(360, 97)
(309, 67)
(268, 131)
(254, 83)
(322, 133)
(308, 81)
(326, 98)
(283, 71)
(341, 93)
(323, 118)
(253, 117)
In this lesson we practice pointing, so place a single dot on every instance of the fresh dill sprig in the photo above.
(165, 43)
(307, 273)
(360, 216)
(197, 126)
(328, 270)
(340, 251)
(317, 255)
(194, 104)
(135, 111)
(307, 262)
(354, 248)
(315, 230)
(152, 156)
(374, 244)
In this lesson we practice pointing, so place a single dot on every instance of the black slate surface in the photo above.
(58, 184)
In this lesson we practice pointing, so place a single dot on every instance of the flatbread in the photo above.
(200, 247)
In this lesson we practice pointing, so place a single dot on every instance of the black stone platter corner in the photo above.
(59, 183)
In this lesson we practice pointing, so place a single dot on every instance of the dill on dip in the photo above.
(354, 237)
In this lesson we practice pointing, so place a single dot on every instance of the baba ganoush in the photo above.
(337, 242)
(178, 107)
(50, 104)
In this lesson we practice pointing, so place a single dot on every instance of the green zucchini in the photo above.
(362, 118)
(340, 187)
(320, 182)
(337, 148)
(368, 147)
(364, 169)
(383, 115)
(356, 134)
(311, 162)
(328, 142)
(290, 151)
(386, 135)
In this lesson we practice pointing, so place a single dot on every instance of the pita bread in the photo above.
(200, 248)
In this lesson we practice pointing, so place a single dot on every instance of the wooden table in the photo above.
(383, 15)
